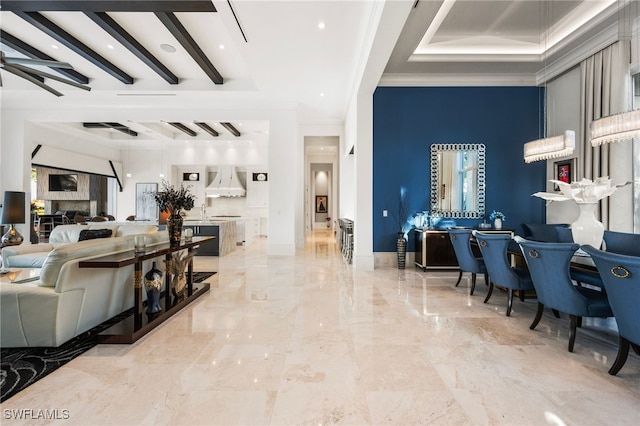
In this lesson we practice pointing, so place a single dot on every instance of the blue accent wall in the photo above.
(408, 120)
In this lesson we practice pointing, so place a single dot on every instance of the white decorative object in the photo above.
(586, 193)
(587, 230)
(615, 128)
(497, 223)
(553, 147)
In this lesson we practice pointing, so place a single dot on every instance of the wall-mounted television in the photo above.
(63, 183)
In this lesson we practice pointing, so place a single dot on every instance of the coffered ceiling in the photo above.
(264, 54)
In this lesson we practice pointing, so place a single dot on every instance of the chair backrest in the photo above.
(564, 234)
(78, 218)
(494, 252)
(130, 218)
(549, 266)
(622, 242)
(98, 219)
(466, 259)
(621, 278)
(110, 217)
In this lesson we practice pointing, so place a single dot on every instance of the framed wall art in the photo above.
(321, 203)
(146, 206)
(564, 172)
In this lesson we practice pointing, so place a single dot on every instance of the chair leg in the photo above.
(486, 279)
(473, 283)
(623, 352)
(636, 348)
(579, 323)
(459, 278)
(555, 313)
(573, 323)
(510, 301)
(536, 320)
(486, 299)
(521, 294)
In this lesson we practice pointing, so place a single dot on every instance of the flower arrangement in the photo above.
(585, 191)
(497, 215)
(174, 200)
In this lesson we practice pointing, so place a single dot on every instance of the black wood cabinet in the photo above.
(211, 249)
(434, 250)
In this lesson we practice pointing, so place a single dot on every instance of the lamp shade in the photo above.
(13, 210)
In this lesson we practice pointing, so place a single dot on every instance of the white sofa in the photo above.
(68, 300)
(33, 255)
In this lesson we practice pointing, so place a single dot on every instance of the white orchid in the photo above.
(583, 192)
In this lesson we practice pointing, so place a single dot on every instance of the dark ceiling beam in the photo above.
(108, 125)
(184, 38)
(183, 128)
(235, 132)
(116, 31)
(32, 79)
(33, 53)
(54, 31)
(108, 6)
(207, 128)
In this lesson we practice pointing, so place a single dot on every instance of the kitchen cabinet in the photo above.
(434, 250)
(211, 249)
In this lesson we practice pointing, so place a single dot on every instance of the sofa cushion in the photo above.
(60, 255)
(136, 229)
(92, 234)
(545, 232)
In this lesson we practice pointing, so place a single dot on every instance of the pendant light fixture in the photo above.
(625, 125)
(556, 146)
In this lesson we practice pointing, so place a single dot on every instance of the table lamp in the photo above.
(13, 212)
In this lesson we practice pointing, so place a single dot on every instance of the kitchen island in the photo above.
(223, 230)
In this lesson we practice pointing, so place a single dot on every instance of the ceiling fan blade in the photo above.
(37, 62)
(27, 77)
(51, 76)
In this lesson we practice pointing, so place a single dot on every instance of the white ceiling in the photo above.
(289, 62)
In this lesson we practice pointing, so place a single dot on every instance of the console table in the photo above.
(140, 323)
(434, 249)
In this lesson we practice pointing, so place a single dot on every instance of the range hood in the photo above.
(226, 184)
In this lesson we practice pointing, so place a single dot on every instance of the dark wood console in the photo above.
(434, 249)
(140, 323)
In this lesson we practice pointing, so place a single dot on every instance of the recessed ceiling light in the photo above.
(128, 174)
(321, 94)
(55, 46)
(110, 46)
(221, 47)
(321, 25)
(167, 48)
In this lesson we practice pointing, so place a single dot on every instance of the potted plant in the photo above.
(174, 201)
(497, 218)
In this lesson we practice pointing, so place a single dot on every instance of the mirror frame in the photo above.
(457, 214)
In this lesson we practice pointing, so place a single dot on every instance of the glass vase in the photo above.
(174, 228)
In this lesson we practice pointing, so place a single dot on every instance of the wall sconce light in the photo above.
(13, 211)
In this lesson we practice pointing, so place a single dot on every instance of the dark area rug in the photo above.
(21, 367)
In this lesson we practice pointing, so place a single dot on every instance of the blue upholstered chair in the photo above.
(467, 261)
(494, 252)
(581, 277)
(621, 277)
(622, 242)
(549, 265)
(564, 234)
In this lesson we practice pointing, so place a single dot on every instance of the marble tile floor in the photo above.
(308, 340)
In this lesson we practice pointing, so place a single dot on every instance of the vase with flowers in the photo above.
(586, 193)
(497, 218)
(174, 201)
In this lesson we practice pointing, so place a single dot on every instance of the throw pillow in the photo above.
(90, 234)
